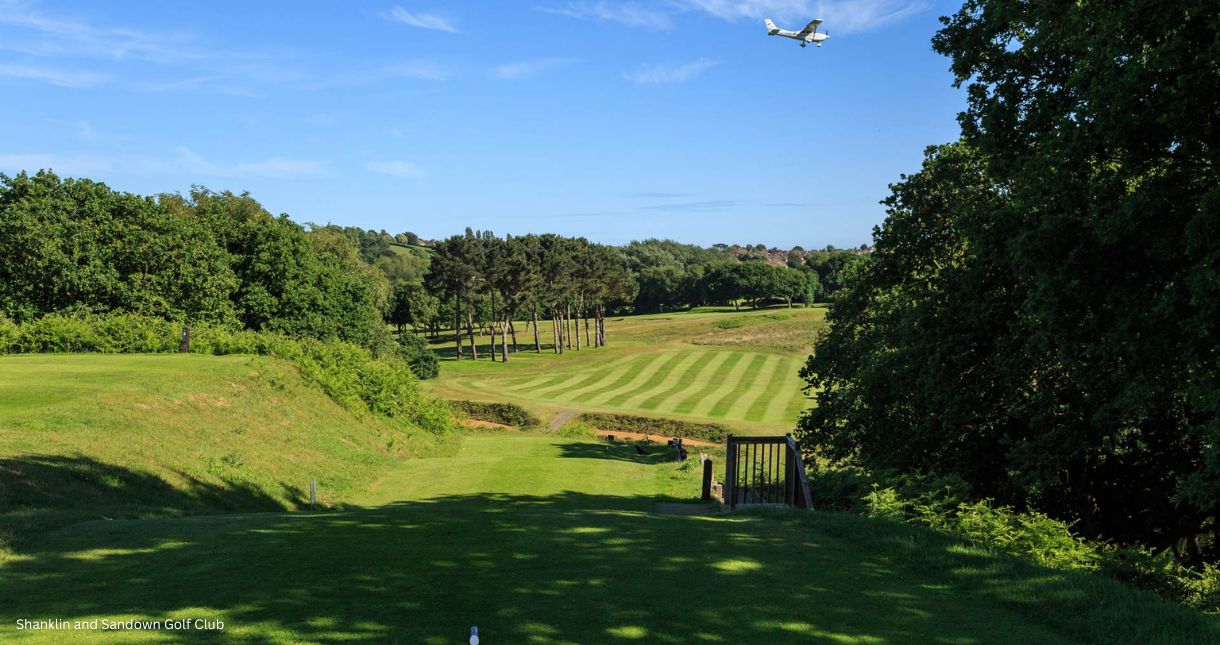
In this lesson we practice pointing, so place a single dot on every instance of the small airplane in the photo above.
(807, 35)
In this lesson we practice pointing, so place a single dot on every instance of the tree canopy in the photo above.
(74, 245)
(1041, 312)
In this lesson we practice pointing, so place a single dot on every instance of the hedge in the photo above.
(712, 432)
(509, 414)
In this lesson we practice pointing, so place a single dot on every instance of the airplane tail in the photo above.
(771, 28)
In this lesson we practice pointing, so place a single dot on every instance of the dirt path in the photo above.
(561, 418)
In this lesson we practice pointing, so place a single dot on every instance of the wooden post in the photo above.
(707, 480)
(806, 500)
(730, 473)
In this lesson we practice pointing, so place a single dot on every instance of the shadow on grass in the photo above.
(563, 568)
(654, 453)
(569, 567)
(39, 493)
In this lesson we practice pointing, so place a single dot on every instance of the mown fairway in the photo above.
(739, 368)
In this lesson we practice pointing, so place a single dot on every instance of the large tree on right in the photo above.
(1041, 314)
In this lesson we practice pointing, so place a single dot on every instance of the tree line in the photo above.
(75, 245)
(571, 280)
(1041, 315)
(480, 284)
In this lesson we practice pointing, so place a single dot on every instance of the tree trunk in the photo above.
(504, 340)
(576, 327)
(512, 329)
(537, 343)
(457, 324)
(474, 350)
(492, 324)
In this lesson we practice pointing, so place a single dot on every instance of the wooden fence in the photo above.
(765, 471)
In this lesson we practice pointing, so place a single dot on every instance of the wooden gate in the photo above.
(765, 471)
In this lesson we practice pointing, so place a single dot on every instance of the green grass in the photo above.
(85, 436)
(718, 365)
(550, 540)
(116, 470)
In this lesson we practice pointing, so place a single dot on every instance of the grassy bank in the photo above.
(89, 436)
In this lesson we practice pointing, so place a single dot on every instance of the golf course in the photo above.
(608, 322)
(739, 368)
(199, 512)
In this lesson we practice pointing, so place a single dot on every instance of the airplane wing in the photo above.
(810, 28)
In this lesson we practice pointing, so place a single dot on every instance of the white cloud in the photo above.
(668, 73)
(843, 16)
(778, 9)
(174, 60)
(420, 69)
(62, 78)
(421, 20)
(840, 15)
(276, 167)
(56, 37)
(78, 165)
(691, 207)
(526, 68)
(849, 17)
(280, 168)
(403, 169)
(624, 13)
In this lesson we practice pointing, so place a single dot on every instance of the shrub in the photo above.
(414, 350)
(58, 334)
(509, 414)
(1046, 541)
(713, 432)
(944, 504)
(577, 430)
(9, 333)
(884, 503)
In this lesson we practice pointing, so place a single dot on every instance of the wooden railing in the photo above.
(765, 471)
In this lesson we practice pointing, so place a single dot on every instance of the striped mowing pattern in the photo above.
(713, 384)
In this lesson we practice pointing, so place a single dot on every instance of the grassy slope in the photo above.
(550, 540)
(738, 368)
(137, 435)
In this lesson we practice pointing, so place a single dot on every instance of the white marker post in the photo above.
(474, 635)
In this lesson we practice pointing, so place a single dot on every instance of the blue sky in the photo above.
(612, 120)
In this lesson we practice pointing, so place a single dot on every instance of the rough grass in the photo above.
(737, 368)
(551, 540)
(85, 436)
